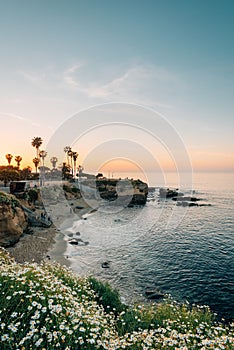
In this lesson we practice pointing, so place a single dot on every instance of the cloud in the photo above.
(19, 117)
(33, 77)
(145, 84)
(69, 75)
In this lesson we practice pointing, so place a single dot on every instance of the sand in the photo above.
(49, 243)
(34, 247)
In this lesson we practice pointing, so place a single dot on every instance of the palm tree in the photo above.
(36, 142)
(43, 154)
(53, 161)
(80, 170)
(18, 160)
(9, 158)
(70, 154)
(67, 149)
(36, 162)
(74, 157)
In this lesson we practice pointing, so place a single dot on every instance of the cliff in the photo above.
(13, 220)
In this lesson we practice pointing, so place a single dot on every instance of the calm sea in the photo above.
(185, 252)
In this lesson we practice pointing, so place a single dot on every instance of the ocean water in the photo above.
(187, 252)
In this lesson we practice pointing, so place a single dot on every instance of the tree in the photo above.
(18, 160)
(70, 154)
(80, 170)
(7, 175)
(43, 168)
(9, 158)
(36, 162)
(67, 149)
(37, 142)
(74, 157)
(66, 171)
(26, 173)
(53, 161)
(43, 154)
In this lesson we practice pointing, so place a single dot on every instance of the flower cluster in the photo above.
(47, 307)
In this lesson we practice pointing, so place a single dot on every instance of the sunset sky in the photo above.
(173, 57)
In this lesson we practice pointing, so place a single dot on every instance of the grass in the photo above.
(46, 306)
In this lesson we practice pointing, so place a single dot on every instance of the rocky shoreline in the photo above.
(47, 243)
(34, 229)
(28, 232)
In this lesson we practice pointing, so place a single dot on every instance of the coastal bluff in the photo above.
(13, 220)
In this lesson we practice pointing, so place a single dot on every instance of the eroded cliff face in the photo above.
(13, 220)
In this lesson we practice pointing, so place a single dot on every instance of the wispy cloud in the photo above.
(69, 75)
(144, 84)
(18, 117)
(33, 77)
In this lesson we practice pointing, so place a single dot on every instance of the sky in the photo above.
(174, 58)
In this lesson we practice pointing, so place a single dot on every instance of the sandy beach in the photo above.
(49, 243)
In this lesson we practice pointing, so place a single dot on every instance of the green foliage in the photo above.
(106, 296)
(9, 174)
(66, 172)
(32, 195)
(9, 199)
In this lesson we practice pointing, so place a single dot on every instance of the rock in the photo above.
(139, 199)
(128, 192)
(35, 221)
(73, 242)
(187, 204)
(154, 294)
(78, 241)
(185, 198)
(105, 265)
(13, 220)
(168, 193)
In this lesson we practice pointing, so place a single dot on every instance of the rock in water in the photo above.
(154, 294)
(105, 265)
(13, 220)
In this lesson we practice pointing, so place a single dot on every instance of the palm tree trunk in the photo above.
(68, 159)
(72, 166)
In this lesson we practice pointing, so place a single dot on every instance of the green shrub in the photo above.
(106, 296)
(9, 199)
(32, 195)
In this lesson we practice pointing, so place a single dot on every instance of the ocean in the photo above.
(187, 252)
